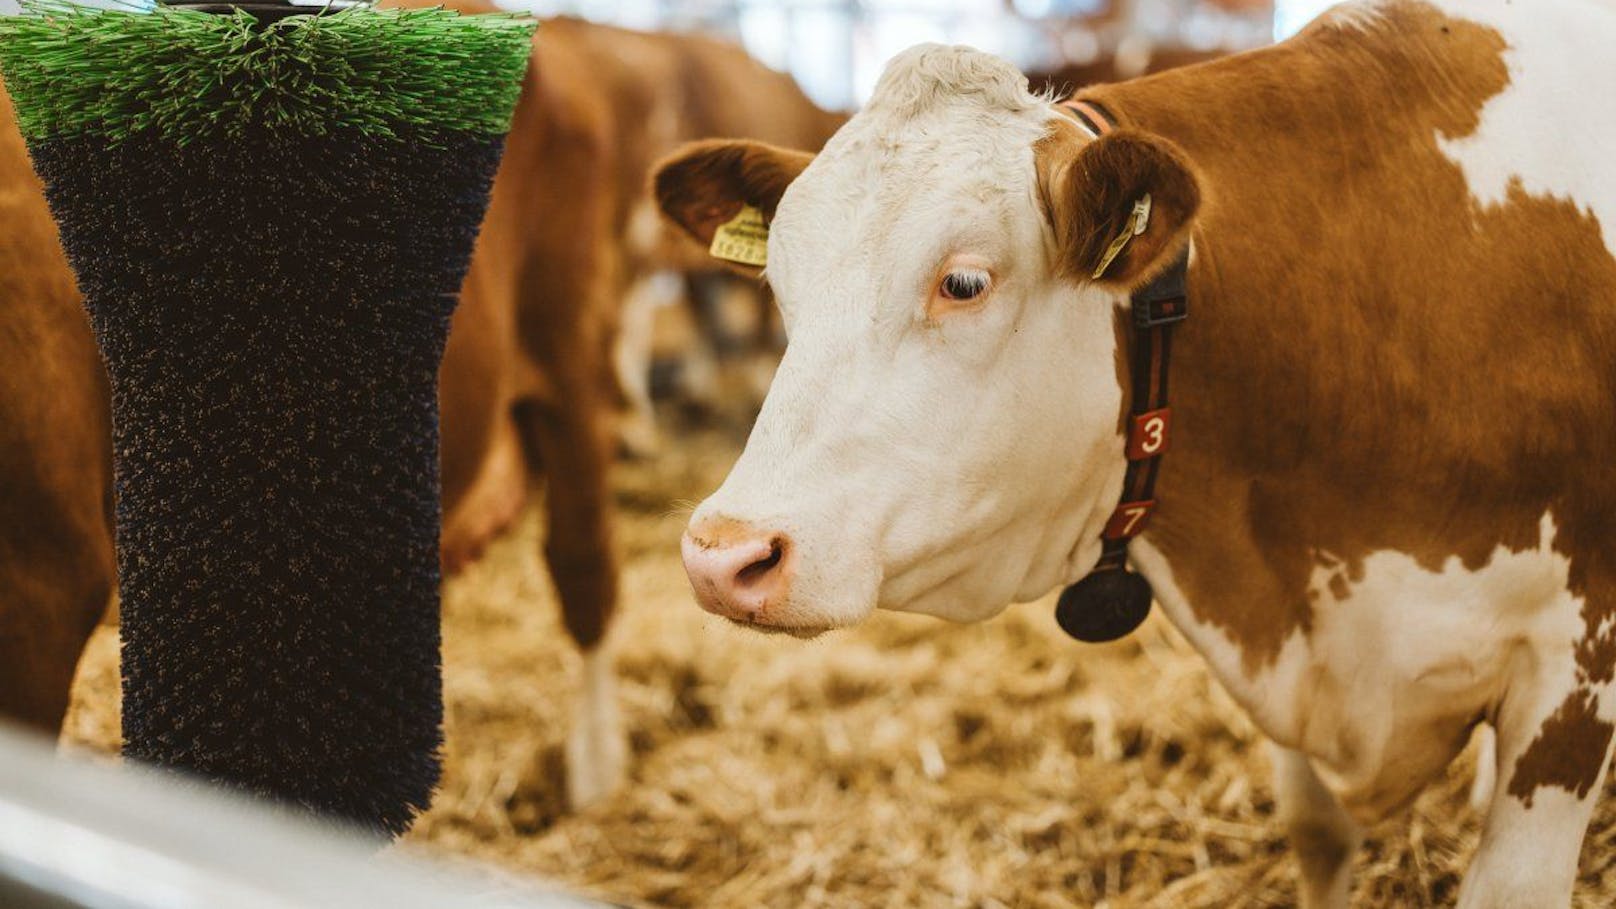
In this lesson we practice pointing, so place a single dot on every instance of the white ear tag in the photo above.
(1141, 214)
(1138, 220)
(743, 238)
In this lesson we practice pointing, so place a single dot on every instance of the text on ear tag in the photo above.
(1138, 220)
(743, 238)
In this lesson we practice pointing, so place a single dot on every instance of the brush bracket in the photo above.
(268, 11)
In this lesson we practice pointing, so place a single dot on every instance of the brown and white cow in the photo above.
(1388, 512)
(526, 385)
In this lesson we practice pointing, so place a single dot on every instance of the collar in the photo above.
(1089, 116)
(1111, 601)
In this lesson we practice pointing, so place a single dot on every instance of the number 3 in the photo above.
(1149, 435)
(1155, 434)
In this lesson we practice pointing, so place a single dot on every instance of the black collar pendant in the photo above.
(1111, 601)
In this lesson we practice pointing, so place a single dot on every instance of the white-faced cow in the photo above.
(1388, 510)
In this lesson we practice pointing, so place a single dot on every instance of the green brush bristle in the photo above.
(186, 75)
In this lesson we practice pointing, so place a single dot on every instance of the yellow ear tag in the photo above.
(743, 238)
(1138, 220)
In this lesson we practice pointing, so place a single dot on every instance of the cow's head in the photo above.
(944, 432)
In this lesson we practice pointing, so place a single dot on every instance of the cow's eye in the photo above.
(965, 284)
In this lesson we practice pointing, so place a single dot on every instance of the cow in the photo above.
(56, 563)
(1384, 513)
(571, 233)
(526, 387)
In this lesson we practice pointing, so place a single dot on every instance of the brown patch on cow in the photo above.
(1375, 362)
(1596, 654)
(1339, 588)
(1569, 751)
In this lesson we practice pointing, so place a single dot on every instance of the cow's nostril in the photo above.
(762, 567)
(738, 571)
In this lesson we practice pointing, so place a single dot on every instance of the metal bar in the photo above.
(81, 833)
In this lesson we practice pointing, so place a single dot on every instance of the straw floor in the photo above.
(905, 763)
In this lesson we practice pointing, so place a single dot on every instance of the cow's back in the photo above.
(771, 108)
(657, 90)
(1550, 130)
(1423, 219)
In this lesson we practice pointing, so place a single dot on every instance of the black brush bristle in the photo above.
(272, 311)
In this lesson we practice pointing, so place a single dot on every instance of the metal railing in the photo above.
(92, 835)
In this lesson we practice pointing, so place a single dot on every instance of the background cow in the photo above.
(561, 248)
(1387, 511)
(56, 563)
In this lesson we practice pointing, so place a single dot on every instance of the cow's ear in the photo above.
(1097, 192)
(706, 184)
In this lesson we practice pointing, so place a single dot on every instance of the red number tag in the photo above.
(1129, 519)
(1148, 437)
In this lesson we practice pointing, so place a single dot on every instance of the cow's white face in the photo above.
(943, 434)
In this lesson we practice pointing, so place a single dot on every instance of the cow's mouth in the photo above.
(801, 632)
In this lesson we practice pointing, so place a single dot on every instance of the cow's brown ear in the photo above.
(1094, 194)
(705, 184)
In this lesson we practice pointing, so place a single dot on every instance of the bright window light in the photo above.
(1291, 15)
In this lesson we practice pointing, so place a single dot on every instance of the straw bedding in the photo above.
(905, 763)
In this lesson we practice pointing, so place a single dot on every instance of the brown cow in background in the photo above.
(56, 564)
(526, 378)
(569, 231)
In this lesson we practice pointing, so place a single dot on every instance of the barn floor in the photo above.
(905, 763)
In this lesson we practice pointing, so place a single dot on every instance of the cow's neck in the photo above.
(1335, 391)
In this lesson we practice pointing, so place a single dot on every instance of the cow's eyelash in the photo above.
(965, 283)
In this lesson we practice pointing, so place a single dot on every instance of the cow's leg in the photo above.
(631, 356)
(57, 570)
(1552, 751)
(1321, 835)
(573, 442)
(699, 379)
(1485, 781)
(484, 479)
(568, 431)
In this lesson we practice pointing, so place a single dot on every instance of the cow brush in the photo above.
(270, 214)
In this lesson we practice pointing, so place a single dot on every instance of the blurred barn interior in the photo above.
(836, 48)
(904, 763)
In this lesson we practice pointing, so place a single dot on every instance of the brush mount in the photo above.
(270, 10)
